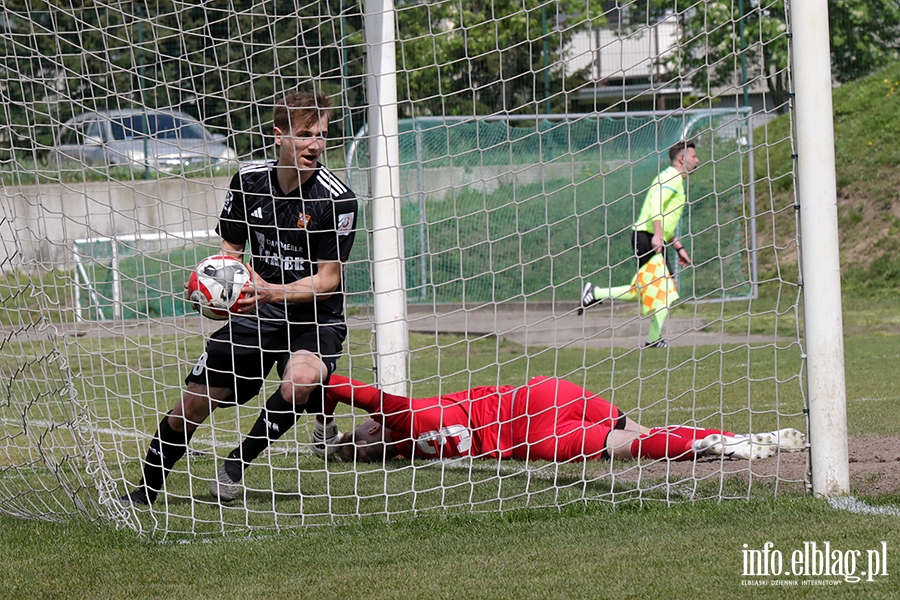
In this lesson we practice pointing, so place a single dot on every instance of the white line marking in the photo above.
(854, 505)
(868, 399)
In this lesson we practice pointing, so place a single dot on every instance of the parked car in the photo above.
(161, 139)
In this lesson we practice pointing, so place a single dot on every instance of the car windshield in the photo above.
(162, 126)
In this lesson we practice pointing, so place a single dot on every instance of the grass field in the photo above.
(126, 382)
(686, 551)
(639, 548)
(644, 546)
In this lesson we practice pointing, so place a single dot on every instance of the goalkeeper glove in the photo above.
(324, 438)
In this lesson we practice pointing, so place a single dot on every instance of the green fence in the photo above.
(494, 211)
(500, 210)
(135, 277)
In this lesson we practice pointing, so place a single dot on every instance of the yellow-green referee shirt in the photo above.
(664, 202)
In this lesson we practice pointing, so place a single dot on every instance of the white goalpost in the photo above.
(817, 197)
(500, 155)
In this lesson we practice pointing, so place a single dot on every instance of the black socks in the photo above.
(166, 449)
(274, 420)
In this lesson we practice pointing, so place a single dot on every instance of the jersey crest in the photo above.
(345, 223)
(303, 220)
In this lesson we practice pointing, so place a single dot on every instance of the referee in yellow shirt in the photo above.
(655, 229)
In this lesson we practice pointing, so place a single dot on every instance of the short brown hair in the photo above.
(301, 109)
(678, 147)
(350, 451)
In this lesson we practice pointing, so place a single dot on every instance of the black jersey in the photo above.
(289, 233)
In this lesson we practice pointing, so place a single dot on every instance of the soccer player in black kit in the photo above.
(297, 221)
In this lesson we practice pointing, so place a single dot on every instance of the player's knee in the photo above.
(297, 390)
(306, 373)
(196, 405)
(184, 419)
(176, 422)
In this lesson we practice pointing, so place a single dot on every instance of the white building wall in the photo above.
(614, 54)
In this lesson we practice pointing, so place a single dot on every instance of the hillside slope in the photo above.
(867, 153)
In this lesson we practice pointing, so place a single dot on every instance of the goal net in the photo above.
(528, 135)
(514, 208)
(136, 276)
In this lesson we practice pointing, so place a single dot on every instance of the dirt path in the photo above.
(874, 467)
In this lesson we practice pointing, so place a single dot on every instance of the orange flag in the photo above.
(655, 285)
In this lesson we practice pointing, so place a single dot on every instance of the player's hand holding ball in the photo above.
(217, 285)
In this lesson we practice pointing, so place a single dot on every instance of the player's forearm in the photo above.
(233, 250)
(309, 289)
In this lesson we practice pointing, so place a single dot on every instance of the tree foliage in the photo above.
(865, 36)
(227, 61)
(476, 57)
(718, 38)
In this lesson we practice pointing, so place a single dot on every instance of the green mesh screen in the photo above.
(151, 276)
(498, 210)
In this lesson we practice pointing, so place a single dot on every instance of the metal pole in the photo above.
(423, 245)
(391, 336)
(140, 40)
(741, 26)
(751, 190)
(546, 52)
(345, 78)
(819, 256)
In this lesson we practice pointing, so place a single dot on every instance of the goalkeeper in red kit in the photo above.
(546, 419)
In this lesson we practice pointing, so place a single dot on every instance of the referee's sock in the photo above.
(656, 324)
(627, 293)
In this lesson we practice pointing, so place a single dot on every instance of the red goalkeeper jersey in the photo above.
(466, 423)
(547, 419)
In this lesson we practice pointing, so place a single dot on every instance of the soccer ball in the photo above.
(216, 285)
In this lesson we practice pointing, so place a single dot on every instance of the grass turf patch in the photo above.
(594, 551)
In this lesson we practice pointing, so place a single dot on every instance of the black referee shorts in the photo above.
(643, 249)
(240, 355)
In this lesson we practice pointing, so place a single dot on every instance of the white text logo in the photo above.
(813, 560)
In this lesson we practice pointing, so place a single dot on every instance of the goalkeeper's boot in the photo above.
(710, 445)
(226, 486)
(587, 297)
(325, 437)
(737, 447)
(660, 343)
(785, 440)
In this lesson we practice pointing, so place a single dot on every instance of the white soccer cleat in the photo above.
(738, 447)
(785, 440)
(710, 445)
(224, 487)
(325, 438)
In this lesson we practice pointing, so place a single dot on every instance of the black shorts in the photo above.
(643, 249)
(239, 356)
